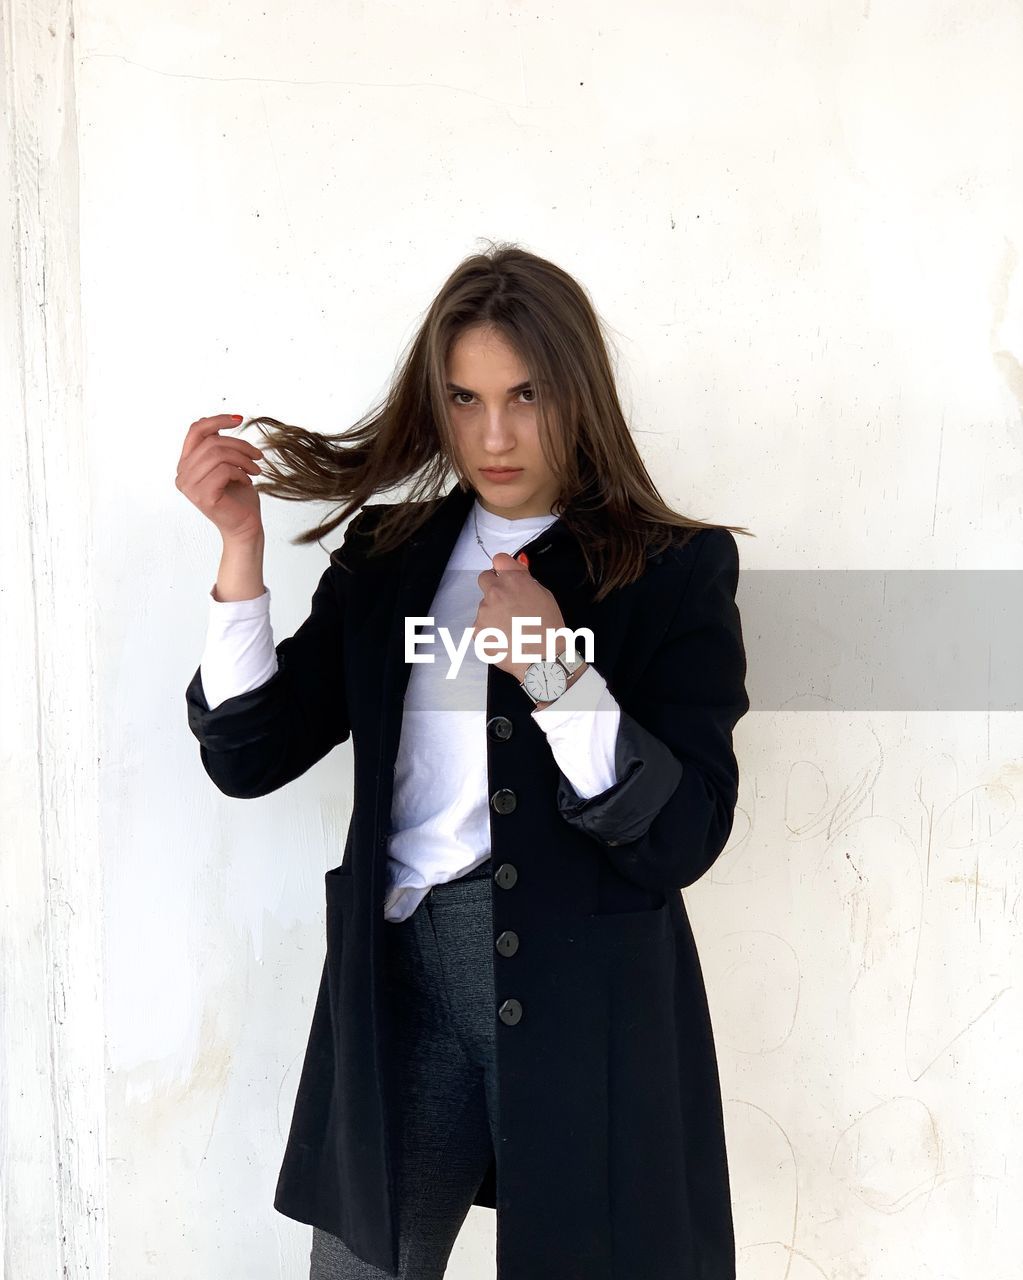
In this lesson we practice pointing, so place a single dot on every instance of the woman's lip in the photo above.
(500, 471)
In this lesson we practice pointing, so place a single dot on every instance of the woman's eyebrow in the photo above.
(521, 386)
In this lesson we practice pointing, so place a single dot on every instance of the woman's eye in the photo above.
(526, 391)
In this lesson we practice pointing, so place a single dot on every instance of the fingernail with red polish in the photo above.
(523, 558)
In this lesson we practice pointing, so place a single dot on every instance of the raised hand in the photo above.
(215, 474)
(510, 591)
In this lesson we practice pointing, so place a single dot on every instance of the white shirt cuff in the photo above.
(581, 728)
(239, 654)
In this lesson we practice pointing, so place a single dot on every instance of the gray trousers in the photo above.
(440, 968)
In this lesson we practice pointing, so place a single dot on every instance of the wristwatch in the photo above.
(547, 681)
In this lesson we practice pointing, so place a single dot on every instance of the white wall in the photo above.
(803, 222)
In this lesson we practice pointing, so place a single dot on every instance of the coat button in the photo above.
(510, 1012)
(507, 943)
(503, 800)
(506, 875)
(499, 728)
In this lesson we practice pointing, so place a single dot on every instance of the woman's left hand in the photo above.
(513, 592)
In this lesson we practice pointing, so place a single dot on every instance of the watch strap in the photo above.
(570, 660)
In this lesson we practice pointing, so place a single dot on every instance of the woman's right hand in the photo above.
(215, 474)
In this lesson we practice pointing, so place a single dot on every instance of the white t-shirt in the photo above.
(440, 812)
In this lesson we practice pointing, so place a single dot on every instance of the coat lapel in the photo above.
(420, 568)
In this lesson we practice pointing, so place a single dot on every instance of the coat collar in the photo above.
(443, 526)
(427, 552)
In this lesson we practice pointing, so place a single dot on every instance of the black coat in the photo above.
(611, 1163)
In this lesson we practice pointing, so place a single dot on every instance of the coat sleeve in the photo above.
(255, 742)
(670, 812)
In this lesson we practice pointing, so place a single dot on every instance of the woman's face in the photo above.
(492, 411)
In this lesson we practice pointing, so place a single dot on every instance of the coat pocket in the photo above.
(648, 926)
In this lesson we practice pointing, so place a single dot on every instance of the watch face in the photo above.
(545, 681)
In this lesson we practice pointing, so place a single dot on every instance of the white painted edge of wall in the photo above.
(52, 1104)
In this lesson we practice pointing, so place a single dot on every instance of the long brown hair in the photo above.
(607, 498)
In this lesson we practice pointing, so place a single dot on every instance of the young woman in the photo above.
(511, 1011)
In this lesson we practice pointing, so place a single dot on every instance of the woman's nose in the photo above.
(497, 433)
